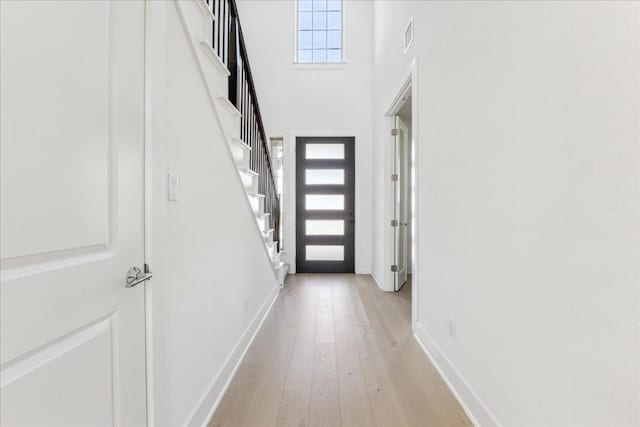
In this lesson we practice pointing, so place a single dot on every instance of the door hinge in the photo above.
(395, 132)
(394, 222)
(394, 177)
(394, 268)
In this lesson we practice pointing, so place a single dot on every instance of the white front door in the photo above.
(72, 337)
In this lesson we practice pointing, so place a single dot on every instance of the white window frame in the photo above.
(319, 65)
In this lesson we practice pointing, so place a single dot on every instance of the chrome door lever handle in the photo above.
(135, 276)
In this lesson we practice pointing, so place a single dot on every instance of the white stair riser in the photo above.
(281, 270)
(230, 120)
(247, 181)
(217, 80)
(257, 204)
(240, 156)
(271, 248)
(254, 184)
(263, 223)
(268, 236)
(250, 181)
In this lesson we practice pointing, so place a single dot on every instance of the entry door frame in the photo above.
(361, 263)
(408, 87)
(348, 214)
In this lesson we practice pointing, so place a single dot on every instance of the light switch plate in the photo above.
(173, 188)
(452, 329)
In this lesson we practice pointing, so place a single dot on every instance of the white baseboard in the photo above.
(212, 398)
(375, 279)
(477, 411)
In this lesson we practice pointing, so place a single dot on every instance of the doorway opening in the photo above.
(401, 244)
(325, 204)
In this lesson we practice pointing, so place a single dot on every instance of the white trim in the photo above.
(248, 171)
(404, 92)
(375, 279)
(415, 185)
(206, 11)
(212, 397)
(240, 143)
(343, 41)
(477, 411)
(319, 65)
(295, 31)
(213, 56)
(413, 34)
(229, 107)
(407, 87)
(362, 263)
(154, 53)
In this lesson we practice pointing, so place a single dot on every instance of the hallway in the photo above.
(335, 350)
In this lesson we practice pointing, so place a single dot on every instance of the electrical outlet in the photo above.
(173, 188)
(452, 329)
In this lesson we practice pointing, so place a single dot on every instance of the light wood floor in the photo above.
(335, 350)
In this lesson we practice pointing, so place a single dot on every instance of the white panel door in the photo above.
(72, 337)
(401, 203)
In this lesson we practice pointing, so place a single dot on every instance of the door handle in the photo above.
(136, 276)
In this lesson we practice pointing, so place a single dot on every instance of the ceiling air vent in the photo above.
(408, 35)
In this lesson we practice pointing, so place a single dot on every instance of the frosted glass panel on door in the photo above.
(325, 151)
(325, 253)
(324, 227)
(325, 202)
(324, 177)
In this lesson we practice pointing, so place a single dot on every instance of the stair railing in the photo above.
(228, 43)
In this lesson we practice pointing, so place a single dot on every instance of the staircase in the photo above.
(226, 69)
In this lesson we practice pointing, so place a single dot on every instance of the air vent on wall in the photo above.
(408, 35)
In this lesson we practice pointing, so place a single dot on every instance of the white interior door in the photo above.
(404, 183)
(401, 199)
(71, 97)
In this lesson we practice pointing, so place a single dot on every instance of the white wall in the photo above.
(206, 251)
(314, 102)
(528, 135)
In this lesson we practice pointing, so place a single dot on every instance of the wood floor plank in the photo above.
(293, 409)
(324, 405)
(382, 396)
(230, 413)
(262, 408)
(355, 408)
(325, 332)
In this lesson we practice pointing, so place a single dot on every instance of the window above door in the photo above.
(319, 32)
